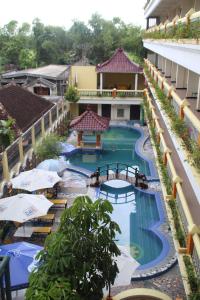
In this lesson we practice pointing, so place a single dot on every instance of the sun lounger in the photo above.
(42, 230)
(59, 202)
(46, 218)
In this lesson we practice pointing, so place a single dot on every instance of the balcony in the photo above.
(114, 96)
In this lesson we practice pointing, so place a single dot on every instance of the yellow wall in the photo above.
(120, 81)
(86, 76)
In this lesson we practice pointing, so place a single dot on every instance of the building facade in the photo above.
(114, 89)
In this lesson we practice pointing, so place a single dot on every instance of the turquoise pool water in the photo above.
(135, 212)
(118, 146)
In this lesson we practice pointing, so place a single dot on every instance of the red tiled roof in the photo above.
(23, 106)
(89, 121)
(119, 63)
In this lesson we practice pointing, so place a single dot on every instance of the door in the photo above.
(106, 110)
(135, 112)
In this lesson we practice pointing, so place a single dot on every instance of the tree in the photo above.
(79, 259)
(49, 148)
(6, 132)
(72, 94)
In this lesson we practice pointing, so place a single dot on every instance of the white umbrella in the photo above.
(126, 265)
(55, 165)
(35, 179)
(23, 207)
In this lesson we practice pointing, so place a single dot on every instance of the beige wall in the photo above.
(86, 77)
(120, 81)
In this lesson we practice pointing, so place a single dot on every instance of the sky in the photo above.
(63, 12)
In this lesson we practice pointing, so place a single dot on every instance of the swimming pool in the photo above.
(136, 213)
(118, 146)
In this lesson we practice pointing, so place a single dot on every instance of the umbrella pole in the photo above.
(109, 297)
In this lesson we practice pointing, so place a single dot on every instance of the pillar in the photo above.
(42, 127)
(190, 244)
(99, 109)
(159, 62)
(79, 138)
(141, 115)
(98, 140)
(163, 65)
(198, 97)
(50, 119)
(6, 174)
(101, 81)
(168, 65)
(21, 152)
(33, 136)
(136, 82)
(192, 84)
(173, 72)
(181, 77)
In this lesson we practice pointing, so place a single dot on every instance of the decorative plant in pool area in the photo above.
(72, 94)
(49, 148)
(78, 259)
(177, 125)
(7, 132)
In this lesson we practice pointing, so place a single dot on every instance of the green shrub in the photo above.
(192, 278)
(49, 148)
(72, 94)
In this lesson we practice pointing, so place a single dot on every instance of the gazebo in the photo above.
(89, 121)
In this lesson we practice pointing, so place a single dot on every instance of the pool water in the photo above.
(135, 212)
(118, 146)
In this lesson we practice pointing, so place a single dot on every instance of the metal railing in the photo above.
(5, 288)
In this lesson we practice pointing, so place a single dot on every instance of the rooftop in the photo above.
(90, 121)
(23, 106)
(119, 63)
(50, 71)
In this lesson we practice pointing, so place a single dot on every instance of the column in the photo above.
(168, 65)
(99, 109)
(33, 136)
(21, 152)
(79, 138)
(42, 127)
(173, 72)
(198, 97)
(163, 65)
(98, 140)
(136, 82)
(159, 62)
(101, 81)
(6, 173)
(192, 84)
(181, 77)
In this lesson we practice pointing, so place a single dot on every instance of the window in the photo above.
(120, 113)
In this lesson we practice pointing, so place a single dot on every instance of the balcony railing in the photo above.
(181, 106)
(190, 228)
(17, 153)
(187, 27)
(114, 93)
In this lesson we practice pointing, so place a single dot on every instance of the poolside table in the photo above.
(59, 202)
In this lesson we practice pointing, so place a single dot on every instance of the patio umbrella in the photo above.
(21, 256)
(23, 207)
(35, 179)
(55, 165)
(126, 265)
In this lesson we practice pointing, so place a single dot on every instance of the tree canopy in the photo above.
(78, 260)
(31, 45)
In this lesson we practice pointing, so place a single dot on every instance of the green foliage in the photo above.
(6, 132)
(192, 278)
(78, 260)
(166, 179)
(179, 31)
(178, 125)
(49, 148)
(72, 94)
(26, 46)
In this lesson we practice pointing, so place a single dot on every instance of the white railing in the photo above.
(114, 93)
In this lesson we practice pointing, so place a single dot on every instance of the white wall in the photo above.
(126, 112)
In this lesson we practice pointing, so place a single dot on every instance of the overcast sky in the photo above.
(62, 12)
